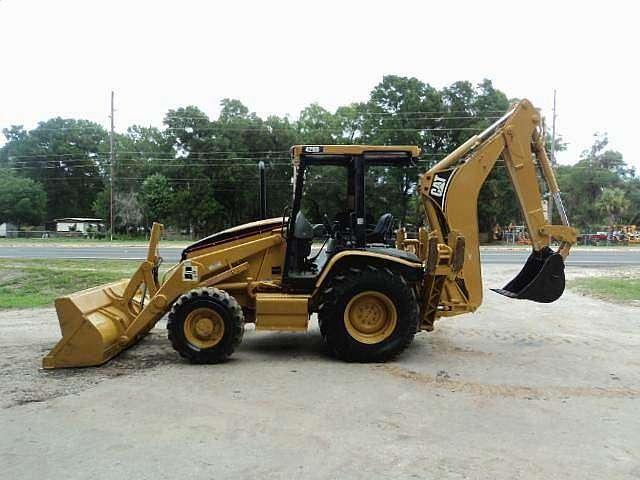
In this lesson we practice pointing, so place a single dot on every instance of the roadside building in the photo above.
(83, 226)
(8, 230)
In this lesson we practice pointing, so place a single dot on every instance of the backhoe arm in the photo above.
(450, 191)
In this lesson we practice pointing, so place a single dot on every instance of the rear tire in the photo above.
(205, 325)
(368, 314)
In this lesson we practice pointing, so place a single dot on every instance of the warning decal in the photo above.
(189, 273)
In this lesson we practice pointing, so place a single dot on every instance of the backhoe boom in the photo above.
(450, 194)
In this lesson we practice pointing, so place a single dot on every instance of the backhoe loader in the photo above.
(372, 290)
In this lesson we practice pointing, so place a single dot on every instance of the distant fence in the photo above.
(168, 234)
(50, 234)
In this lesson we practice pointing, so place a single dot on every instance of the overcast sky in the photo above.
(63, 57)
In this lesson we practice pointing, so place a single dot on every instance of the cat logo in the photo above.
(437, 187)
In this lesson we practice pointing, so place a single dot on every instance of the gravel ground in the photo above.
(516, 390)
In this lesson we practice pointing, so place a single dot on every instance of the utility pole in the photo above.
(553, 157)
(112, 143)
(263, 191)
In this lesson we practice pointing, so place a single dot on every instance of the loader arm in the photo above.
(449, 193)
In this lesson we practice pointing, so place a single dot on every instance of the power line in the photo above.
(36, 155)
(220, 151)
(131, 165)
(145, 162)
(90, 154)
(159, 162)
(381, 116)
(157, 156)
(438, 113)
(257, 128)
(213, 181)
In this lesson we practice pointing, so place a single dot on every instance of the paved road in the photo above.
(580, 258)
(117, 253)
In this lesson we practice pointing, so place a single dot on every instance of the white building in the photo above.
(7, 227)
(82, 225)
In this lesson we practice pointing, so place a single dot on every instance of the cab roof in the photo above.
(342, 154)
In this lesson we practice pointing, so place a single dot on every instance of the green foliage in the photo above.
(317, 125)
(613, 203)
(21, 199)
(200, 174)
(600, 189)
(391, 121)
(100, 206)
(128, 212)
(157, 199)
(66, 156)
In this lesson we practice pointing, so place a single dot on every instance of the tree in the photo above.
(191, 170)
(585, 182)
(141, 151)
(613, 203)
(481, 105)
(156, 198)
(128, 212)
(316, 125)
(69, 157)
(274, 150)
(100, 206)
(632, 192)
(21, 200)
(396, 116)
(350, 122)
(202, 173)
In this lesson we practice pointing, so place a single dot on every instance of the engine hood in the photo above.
(233, 233)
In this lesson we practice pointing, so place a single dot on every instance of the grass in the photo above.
(37, 283)
(624, 289)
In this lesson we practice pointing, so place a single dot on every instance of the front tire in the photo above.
(205, 325)
(368, 314)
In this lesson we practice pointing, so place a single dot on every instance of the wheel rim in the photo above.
(370, 317)
(204, 328)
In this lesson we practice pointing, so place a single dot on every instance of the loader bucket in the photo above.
(541, 279)
(95, 322)
(92, 322)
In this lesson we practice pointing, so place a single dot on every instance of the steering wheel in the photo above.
(327, 225)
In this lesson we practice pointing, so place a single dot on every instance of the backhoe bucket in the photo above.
(541, 279)
(92, 322)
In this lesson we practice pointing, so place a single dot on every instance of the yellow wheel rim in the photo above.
(370, 317)
(204, 328)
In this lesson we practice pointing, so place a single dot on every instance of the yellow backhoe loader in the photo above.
(372, 290)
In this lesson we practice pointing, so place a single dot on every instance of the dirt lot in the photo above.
(517, 390)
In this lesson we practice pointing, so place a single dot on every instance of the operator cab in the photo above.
(341, 217)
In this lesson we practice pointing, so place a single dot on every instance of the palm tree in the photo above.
(613, 203)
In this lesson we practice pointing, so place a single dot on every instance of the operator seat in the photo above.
(380, 233)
